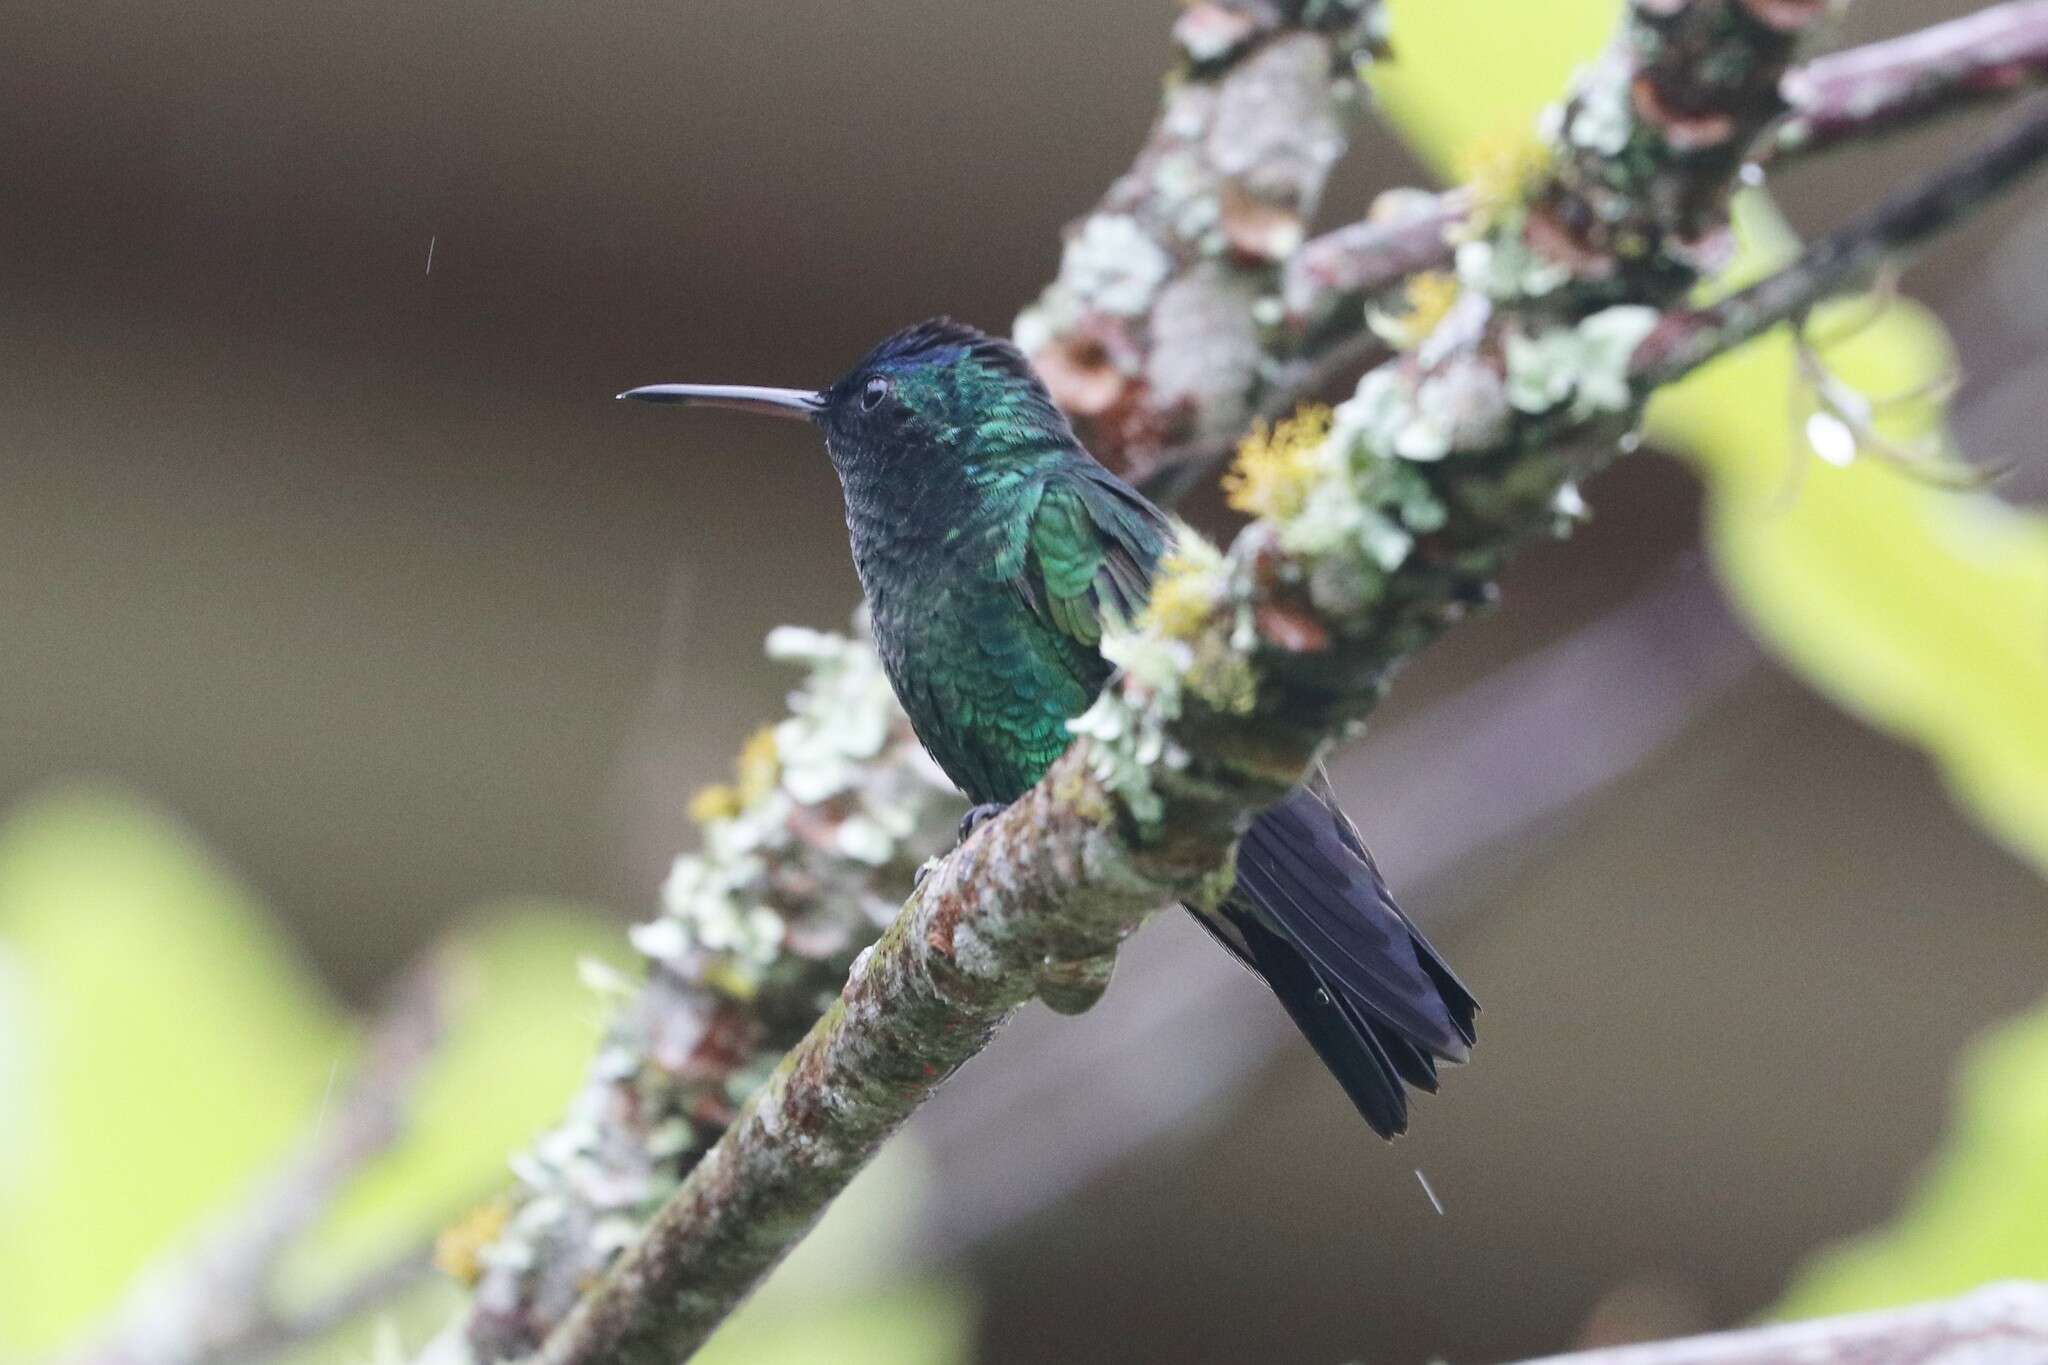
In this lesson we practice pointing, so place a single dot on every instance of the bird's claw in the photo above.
(970, 822)
(977, 817)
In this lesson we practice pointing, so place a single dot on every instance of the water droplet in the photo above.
(1831, 439)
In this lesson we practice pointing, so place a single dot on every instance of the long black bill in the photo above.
(798, 403)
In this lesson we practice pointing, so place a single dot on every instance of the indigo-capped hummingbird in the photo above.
(994, 550)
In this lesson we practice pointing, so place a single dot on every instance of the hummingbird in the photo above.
(994, 551)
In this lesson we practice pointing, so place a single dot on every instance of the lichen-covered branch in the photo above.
(1150, 335)
(1910, 81)
(1849, 257)
(1997, 1324)
(1327, 290)
(1375, 528)
(805, 856)
(1051, 886)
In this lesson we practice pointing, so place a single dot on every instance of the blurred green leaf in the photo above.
(522, 1034)
(1466, 70)
(165, 1044)
(1923, 610)
(163, 1048)
(1978, 1214)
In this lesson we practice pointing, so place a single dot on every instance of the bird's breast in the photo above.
(987, 684)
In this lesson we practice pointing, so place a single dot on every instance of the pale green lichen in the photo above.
(1185, 194)
(1037, 325)
(1114, 264)
(1128, 720)
(715, 912)
(1505, 268)
(1601, 121)
(1387, 415)
(839, 720)
(757, 909)
(1191, 586)
(1586, 364)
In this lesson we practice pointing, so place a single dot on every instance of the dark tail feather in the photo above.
(1361, 982)
(1351, 1053)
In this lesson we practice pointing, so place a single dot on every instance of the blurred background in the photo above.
(343, 610)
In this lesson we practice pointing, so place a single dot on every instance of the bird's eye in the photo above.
(871, 397)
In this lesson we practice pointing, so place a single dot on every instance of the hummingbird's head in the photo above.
(936, 389)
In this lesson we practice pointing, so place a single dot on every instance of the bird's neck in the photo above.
(920, 519)
(922, 492)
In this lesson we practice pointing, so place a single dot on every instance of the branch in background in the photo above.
(214, 1301)
(1911, 81)
(2004, 1322)
(280, 1332)
(804, 859)
(1834, 100)
(1149, 336)
(1849, 257)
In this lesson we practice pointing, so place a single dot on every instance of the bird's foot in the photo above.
(970, 822)
(979, 816)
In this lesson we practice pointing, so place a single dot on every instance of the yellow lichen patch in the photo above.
(1181, 601)
(719, 801)
(459, 1250)
(1223, 678)
(1277, 466)
(1190, 584)
(730, 979)
(759, 765)
(1426, 300)
(1502, 170)
(755, 773)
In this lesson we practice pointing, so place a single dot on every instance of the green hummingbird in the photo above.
(994, 550)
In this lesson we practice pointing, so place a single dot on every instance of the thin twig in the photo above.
(1849, 257)
(2000, 1323)
(282, 1331)
(1911, 81)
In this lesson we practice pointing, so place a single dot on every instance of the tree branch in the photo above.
(803, 862)
(1832, 101)
(1048, 886)
(2002, 1322)
(808, 863)
(1147, 337)
(1909, 82)
(1849, 257)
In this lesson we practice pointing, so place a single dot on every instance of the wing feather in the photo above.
(1092, 549)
